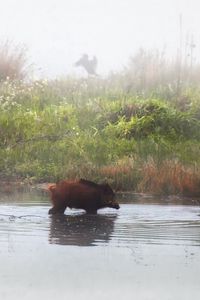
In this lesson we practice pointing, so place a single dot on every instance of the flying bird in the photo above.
(90, 65)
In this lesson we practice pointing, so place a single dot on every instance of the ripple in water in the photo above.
(133, 223)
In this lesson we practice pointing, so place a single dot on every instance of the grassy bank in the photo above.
(96, 129)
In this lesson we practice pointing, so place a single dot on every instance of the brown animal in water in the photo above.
(82, 194)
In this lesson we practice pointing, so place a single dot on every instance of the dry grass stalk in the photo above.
(170, 177)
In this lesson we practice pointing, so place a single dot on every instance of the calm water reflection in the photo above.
(143, 251)
(81, 230)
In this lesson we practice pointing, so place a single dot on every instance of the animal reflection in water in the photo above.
(81, 230)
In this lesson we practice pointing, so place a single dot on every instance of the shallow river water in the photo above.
(141, 252)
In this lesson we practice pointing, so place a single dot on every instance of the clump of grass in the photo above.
(169, 177)
(82, 170)
(13, 61)
(123, 175)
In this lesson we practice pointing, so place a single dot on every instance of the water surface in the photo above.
(142, 251)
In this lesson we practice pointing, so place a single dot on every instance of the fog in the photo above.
(58, 32)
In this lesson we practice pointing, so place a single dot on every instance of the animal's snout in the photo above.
(116, 205)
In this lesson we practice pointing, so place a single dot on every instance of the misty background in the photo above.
(58, 32)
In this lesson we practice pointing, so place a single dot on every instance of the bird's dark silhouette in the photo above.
(90, 65)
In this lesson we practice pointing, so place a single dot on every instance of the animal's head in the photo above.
(108, 196)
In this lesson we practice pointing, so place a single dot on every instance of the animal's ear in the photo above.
(52, 188)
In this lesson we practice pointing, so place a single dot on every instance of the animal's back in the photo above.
(81, 195)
